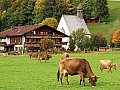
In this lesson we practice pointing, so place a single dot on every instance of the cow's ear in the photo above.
(98, 77)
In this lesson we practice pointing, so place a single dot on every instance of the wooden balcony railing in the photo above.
(37, 44)
(44, 36)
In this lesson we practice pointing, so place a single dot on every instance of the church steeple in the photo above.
(79, 11)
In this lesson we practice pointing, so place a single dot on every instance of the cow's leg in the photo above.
(84, 81)
(101, 69)
(39, 60)
(30, 56)
(109, 70)
(61, 74)
(66, 77)
(81, 77)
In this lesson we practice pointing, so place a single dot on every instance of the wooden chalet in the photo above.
(93, 19)
(23, 37)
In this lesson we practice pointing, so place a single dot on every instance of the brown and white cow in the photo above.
(107, 64)
(74, 66)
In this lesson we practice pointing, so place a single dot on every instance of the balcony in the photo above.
(44, 36)
(34, 44)
(37, 44)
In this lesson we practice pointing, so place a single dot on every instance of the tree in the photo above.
(52, 22)
(78, 35)
(5, 4)
(16, 3)
(47, 44)
(102, 9)
(94, 42)
(116, 38)
(21, 15)
(6, 18)
(97, 40)
(39, 4)
(103, 40)
(88, 7)
(85, 43)
(48, 8)
(39, 15)
(80, 39)
(71, 44)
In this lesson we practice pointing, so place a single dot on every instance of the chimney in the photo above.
(79, 12)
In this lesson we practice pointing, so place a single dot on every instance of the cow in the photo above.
(66, 55)
(107, 64)
(74, 66)
(33, 55)
(43, 56)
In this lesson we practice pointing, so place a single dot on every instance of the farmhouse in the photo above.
(70, 23)
(22, 37)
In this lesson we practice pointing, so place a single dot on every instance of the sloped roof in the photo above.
(21, 30)
(74, 22)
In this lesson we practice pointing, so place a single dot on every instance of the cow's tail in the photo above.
(58, 74)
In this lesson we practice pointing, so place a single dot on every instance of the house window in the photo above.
(41, 33)
(16, 40)
(33, 32)
(58, 40)
(32, 40)
(50, 33)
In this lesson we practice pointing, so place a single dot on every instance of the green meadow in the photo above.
(113, 22)
(22, 73)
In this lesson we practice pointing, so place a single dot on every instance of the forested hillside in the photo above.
(27, 12)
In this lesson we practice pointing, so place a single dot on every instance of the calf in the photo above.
(74, 66)
(107, 64)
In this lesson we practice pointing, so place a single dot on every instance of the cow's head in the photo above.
(114, 65)
(93, 80)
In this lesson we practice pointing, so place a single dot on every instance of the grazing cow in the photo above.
(74, 66)
(43, 56)
(33, 55)
(107, 64)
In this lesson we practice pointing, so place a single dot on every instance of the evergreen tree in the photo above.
(88, 7)
(102, 8)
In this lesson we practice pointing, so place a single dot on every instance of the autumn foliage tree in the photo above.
(116, 38)
(52, 22)
(47, 44)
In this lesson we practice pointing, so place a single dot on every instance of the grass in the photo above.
(114, 18)
(113, 4)
(21, 73)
